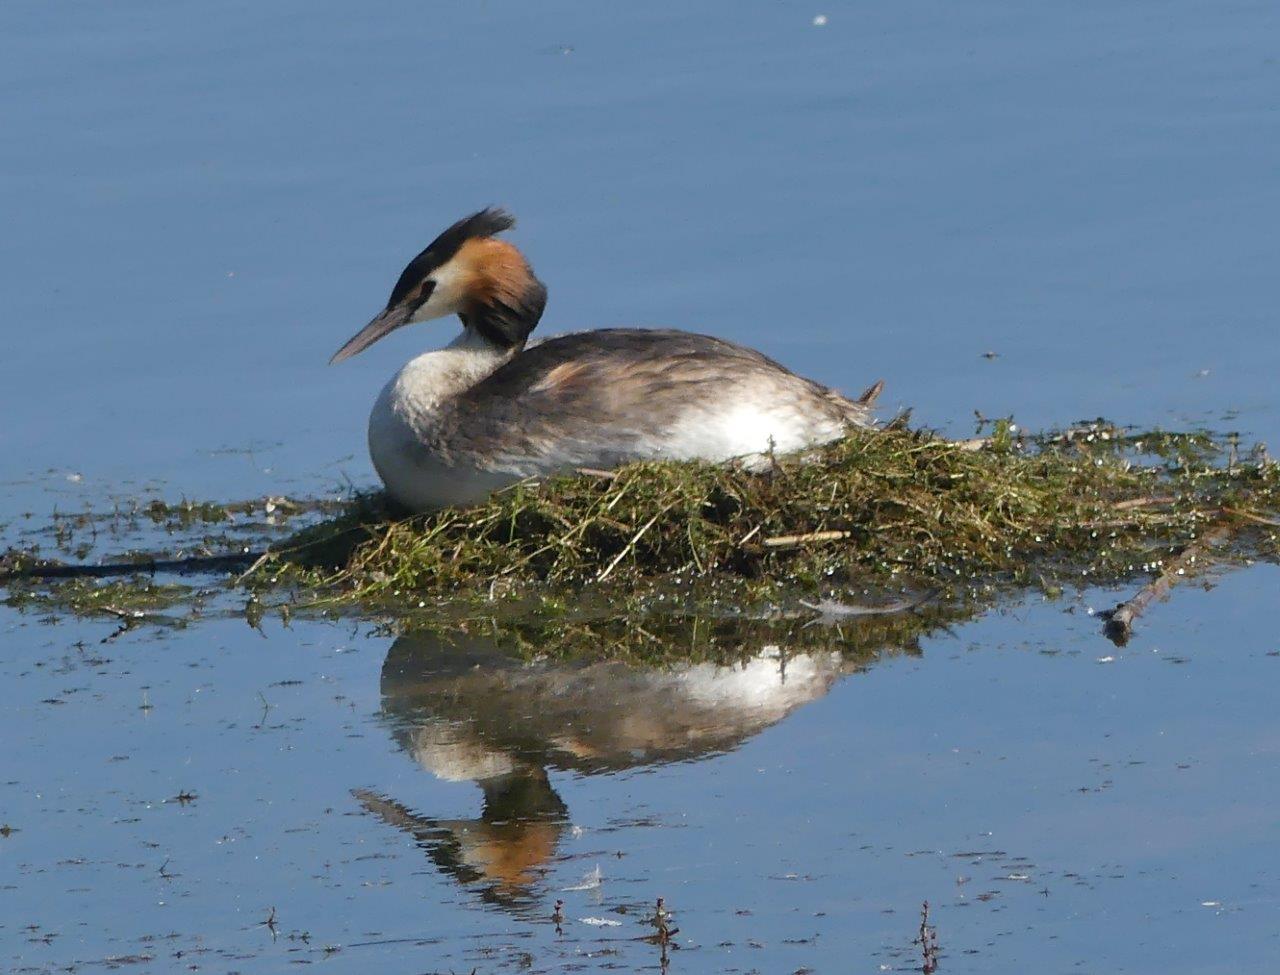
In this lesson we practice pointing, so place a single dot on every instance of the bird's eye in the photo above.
(428, 286)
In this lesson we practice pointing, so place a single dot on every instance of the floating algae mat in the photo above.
(888, 509)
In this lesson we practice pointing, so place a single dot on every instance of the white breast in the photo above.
(403, 418)
(421, 481)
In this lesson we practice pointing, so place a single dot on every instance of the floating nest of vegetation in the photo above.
(884, 510)
(1092, 505)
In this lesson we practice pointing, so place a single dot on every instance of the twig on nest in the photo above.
(1143, 503)
(1257, 519)
(791, 541)
(631, 545)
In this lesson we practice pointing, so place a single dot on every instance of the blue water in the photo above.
(1062, 806)
(201, 203)
(201, 206)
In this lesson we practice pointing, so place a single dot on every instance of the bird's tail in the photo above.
(857, 412)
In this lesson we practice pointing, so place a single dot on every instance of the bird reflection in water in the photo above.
(465, 709)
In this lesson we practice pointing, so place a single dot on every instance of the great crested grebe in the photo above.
(485, 411)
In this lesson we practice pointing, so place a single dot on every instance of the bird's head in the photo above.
(466, 271)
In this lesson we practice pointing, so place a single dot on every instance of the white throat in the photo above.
(433, 377)
(408, 413)
(414, 398)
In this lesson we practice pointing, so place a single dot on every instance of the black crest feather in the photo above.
(488, 222)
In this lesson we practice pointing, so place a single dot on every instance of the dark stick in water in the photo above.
(1118, 627)
(195, 563)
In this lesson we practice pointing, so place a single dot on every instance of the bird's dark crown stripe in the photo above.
(486, 223)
